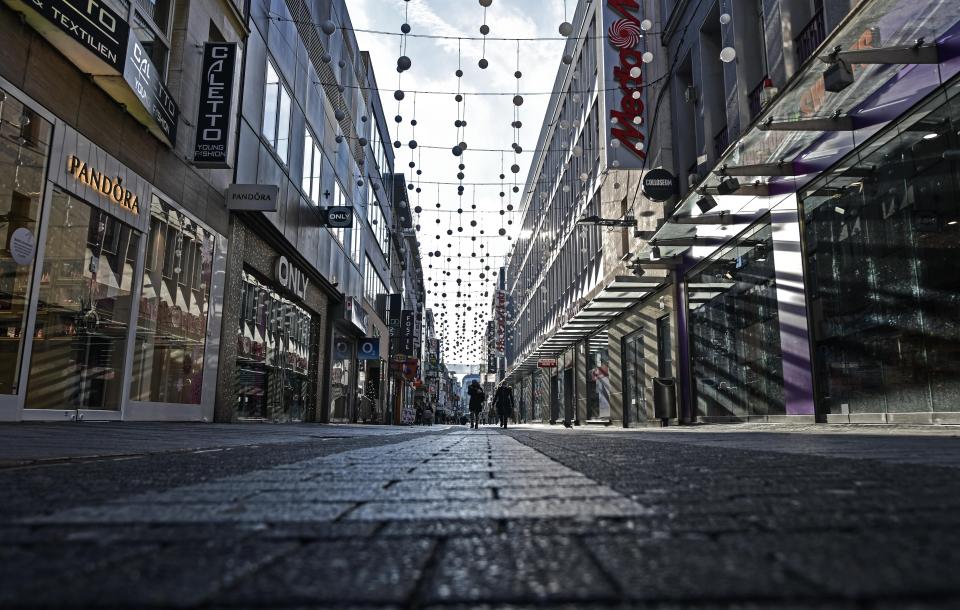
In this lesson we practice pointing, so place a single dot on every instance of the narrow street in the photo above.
(341, 516)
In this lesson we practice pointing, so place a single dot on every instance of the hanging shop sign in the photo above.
(407, 327)
(290, 277)
(341, 349)
(354, 313)
(491, 362)
(547, 363)
(394, 307)
(211, 147)
(98, 41)
(107, 187)
(337, 217)
(659, 185)
(626, 95)
(253, 197)
(500, 317)
(368, 348)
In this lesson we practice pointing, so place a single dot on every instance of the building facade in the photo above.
(116, 230)
(802, 258)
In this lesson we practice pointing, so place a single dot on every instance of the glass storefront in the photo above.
(24, 144)
(174, 304)
(598, 376)
(341, 370)
(84, 308)
(273, 355)
(881, 232)
(734, 330)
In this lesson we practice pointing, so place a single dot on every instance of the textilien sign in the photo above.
(211, 147)
(98, 41)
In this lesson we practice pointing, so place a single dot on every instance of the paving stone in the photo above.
(349, 572)
(501, 568)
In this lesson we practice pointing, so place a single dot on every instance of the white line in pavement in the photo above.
(463, 475)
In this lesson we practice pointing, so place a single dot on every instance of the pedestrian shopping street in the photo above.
(447, 517)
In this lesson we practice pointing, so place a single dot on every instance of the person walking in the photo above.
(477, 399)
(503, 402)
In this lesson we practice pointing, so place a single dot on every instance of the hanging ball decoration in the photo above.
(483, 63)
(566, 28)
(460, 175)
(412, 143)
(517, 74)
(486, 3)
(341, 88)
(339, 139)
(473, 223)
(403, 63)
(397, 143)
(342, 64)
(363, 118)
(413, 122)
(398, 95)
(461, 166)
(566, 188)
(635, 72)
(360, 182)
(646, 25)
(339, 115)
(362, 141)
(462, 145)
(647, 57)
(616, 163)
(405, 28)
(725, 18)
(411, 165)
(456, 123)
(419, 172)
(458, 97)
(418, 209)
(615, 143)
(484, 29)
(459, 73)
(509, 207)
(328, 27)
(515, 168)
(516, 189)
(577, 150)
(518, 100)
(584, 176)
(398, 119)
(567, 59)
(325, 58)
(501, 232)
(728, 54)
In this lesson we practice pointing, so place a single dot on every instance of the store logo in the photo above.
(105, 186)
(290, 278)
(216, 93)
(624, 35)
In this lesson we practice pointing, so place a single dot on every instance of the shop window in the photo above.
(276, 113)
(881, 241)
(735, 330)
(174, 304)
(598, 376)
(274, 366)
(24, 141)
(83, 309)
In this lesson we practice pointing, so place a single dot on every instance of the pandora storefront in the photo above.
(108, 286)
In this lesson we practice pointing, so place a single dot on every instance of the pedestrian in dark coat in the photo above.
(503, 402)
(477, 398)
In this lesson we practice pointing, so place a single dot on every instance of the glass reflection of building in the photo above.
(881, 235)
(735, 331)
(273, 355)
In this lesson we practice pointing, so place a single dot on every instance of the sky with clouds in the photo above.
(488, 126)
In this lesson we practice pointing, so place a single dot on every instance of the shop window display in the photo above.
(174, 305)
(274, 368)
(735, 331)
(881, 239)
(83, 309)
(24, 140)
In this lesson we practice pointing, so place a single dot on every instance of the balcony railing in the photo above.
(810, 38)
(720, 142)
(756, 98)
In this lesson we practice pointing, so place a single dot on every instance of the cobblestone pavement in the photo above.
(464, 519)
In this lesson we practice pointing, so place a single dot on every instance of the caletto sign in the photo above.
(290, 278)
(626, 95)
(211, 148)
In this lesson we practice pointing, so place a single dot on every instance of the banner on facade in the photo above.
(626, 138)
(368, 348)
(212, 143)
(407, 326)
(500, 320)
(394, 313)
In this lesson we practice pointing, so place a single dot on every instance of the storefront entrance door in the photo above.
(84, 307)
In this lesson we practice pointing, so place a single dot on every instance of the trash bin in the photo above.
(664, 399)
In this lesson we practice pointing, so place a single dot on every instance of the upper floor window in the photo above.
(378, 224)
(150, 21)
(276, 113)
(312, 167)
(356, 241)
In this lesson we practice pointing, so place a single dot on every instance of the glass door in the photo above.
(83, 312)
(24, 145)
